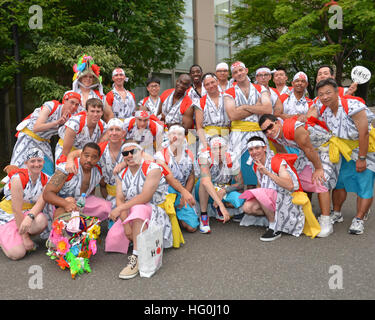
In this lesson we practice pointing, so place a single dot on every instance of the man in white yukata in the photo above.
(86, 126)
(280, 78)
(141, 188)
(180, 161)
(64, 188)
(244, 104)
(296, 103)
(39, 127)
(119, 102)
(177, 106)
(147, 132)
(263, 76)
(152, 102)
(210, 115)
(273, 197)
(222, 73)
(350, 121)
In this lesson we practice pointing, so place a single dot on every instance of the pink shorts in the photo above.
(266, 197)
(116, 240)
(307, 185)
(9, 236)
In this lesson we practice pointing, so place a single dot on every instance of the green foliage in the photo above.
(296, 34)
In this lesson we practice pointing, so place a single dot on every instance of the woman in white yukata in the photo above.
(141, 188)
(273, 197)
(21, 210)
(210, 115)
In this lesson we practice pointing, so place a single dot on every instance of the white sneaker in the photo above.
(204, 225)
(325, 226)
(357, 226)
(336, 216)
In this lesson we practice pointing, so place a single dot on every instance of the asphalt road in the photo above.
(231, 263)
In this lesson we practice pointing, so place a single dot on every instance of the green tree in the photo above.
(300, 36)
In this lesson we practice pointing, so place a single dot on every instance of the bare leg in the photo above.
(338, 199)
(363, 205)
(325, 203)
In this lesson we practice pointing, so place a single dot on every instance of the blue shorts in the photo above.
(49, 167)
(186, 214)
(248, 174)
(361, 183)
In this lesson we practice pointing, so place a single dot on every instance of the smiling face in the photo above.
(196, 74)
(240, 74)
(70, 106)
(258, 153)
(271, 129)
(222, 74)
(35, 165)
(324, 73)
(328, 95)
(119, 79)
(182, 84)
(299, 85)
(87, 80)
(115, 134)
(153, 89)
(211, 85)
(94, 114)
(132, 156)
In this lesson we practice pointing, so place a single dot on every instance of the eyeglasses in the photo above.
(263, 75)
(126, 153)
(270, 127)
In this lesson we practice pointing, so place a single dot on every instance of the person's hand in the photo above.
(25, 225)
(302, 118)
(261, 168)
(27, 242)
(70, 206)
(352, 89)
(70, 167)
(182, 203)
(318, 177)
(188, 198)
(114, 214)
(224, 212)
(221, 193)
(360, 165)
(62, 119)
(118, 168)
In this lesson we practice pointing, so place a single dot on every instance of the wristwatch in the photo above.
(31, 216)
(362, 158)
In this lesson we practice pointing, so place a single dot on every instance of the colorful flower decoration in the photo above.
(63, 246)
(86, 62)
(94, 232)
(58, 226)
(92, 246)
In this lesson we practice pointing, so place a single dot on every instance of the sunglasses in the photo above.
(270, 127)
(126, 153)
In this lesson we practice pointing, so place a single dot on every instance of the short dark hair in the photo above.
(209, 74)
(92, 145)
(151, 80)
(265, 117)
(331, 71)
(281, 69)
(327, 82)
(195, 65)
(94, 102)
(255, 138)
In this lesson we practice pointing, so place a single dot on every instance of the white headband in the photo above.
(143, 114)
(34, 153)
(300, 75)
(177, 128)
(114, 122)
(131, 144)
(218, 140)
(119, 71)
(265, 69)
(222, 65)
(255, 143)
(237, 64)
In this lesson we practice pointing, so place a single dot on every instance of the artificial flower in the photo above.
(58, 227)
(96, 69)
(94, 232)
(93, 247)
(63, 246)
(62, 263)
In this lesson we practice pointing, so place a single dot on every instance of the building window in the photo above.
(188, 58)
(225, 49)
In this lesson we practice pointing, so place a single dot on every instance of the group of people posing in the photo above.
(208, 148)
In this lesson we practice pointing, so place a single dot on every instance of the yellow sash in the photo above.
(6, 205)
(312, 226)
(33, 135)
(245, 126)
(168, 206)
(345, 147)
(111, 190)
(61, 143)
(212, 130)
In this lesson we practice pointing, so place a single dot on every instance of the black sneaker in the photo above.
(270, 235)
(237, 217)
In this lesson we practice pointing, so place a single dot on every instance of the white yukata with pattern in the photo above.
(92, 94)
(31, 194)
(151, 105)
(25, 142)
(342, 125)
(122, 109)
(132, 185)
(289, 217)
(293, 106)
(83, 137)
(172, 111)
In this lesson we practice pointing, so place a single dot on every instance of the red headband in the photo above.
(72, 94)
